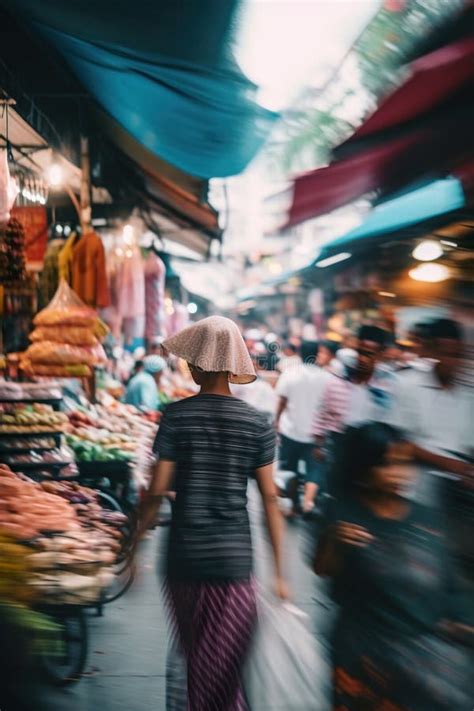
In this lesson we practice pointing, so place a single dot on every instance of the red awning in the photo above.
(429, 150)
(433, 80)
(430, 141)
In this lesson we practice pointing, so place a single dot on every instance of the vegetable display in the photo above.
(34, 418)
(107, 432)
(72, 542)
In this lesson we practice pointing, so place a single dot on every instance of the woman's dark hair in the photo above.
(361, 449)
(421, 330)
(332, 346)
(445, 328)
(374, 334)
(309, 351)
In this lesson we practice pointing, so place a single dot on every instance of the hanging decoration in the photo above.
(8, 188)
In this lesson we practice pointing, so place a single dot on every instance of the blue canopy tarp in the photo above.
(423, 203)
(165, 72)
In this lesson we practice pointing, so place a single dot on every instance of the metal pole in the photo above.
(86, 212)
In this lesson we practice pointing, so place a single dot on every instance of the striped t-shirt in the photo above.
(217, 443)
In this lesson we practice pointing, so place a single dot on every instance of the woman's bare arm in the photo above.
(282, 405)
(330, 549)
(274, 520)
(162, 478)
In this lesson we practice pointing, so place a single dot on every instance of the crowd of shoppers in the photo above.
(384, 436)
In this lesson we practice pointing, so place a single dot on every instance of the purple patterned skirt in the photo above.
(214, 624)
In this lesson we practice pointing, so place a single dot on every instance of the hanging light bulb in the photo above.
(128, 235)
(55, 175)
(432, 273)
(427, 251)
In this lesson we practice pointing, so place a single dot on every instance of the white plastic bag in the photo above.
(176, 678)
(285, 670)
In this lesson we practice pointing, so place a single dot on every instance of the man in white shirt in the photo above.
(362, 392)
(437, 413)
(299, 391)
(290, 358)
(434, 409)
(259, 394)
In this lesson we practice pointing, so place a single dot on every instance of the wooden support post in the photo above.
(86, 210)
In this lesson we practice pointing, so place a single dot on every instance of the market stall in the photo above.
(69, 478)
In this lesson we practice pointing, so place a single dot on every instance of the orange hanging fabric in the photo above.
(89, 278)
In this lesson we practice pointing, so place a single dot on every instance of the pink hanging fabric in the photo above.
(155, 316)
(8, 189)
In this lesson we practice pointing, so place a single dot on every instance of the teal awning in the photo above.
(164, 71)
(418, 205)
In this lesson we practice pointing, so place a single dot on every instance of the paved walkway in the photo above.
(128, 646)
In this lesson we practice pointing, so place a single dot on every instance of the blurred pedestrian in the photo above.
(290, 358)
(300, 391)
(361, 393)
(259, 394)
(420, 340)
(400, 610)
(434, 408)
(142, 389)
(437, 413)
(208, 447)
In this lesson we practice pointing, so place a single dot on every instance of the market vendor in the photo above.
(143, 388)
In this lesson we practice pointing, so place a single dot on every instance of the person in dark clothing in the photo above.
(399, 607)
(208, 447)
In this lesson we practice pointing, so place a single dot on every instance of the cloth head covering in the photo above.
(215, 345)
(154, 364)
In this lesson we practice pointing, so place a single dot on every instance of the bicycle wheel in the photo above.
(67, 666)
(108, 501)
(123, 580)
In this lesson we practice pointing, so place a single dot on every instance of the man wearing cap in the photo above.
(142, 390)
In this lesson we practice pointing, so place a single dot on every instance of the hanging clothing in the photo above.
(89, 278)
(155, 316)
(49, 279)
(110, 314)
(130, 291)
(178, 319)
(65, 258)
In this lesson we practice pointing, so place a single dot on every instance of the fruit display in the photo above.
(58, 455)
(29, 391)
(86, 451)
(12, 252)
(106, 432)
(67, 338)
(73, 543)
(30, 418)
(22, 445)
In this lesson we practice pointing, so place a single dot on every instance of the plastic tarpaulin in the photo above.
(423, 128)
(434, 79)
(426, 202)
(164, 71)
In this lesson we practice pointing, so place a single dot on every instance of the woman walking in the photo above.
(208, 447)
(395, 646)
